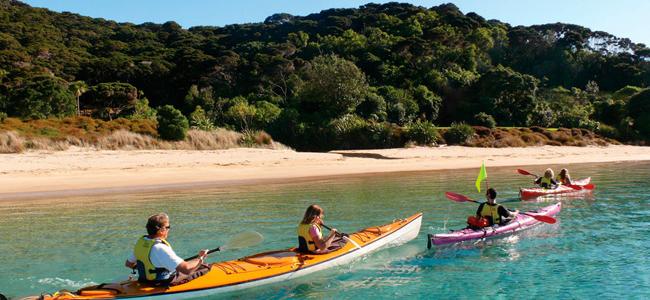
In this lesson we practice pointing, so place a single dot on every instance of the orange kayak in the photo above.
(259, 269)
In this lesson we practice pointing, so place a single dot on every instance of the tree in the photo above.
(333, 87)
(172, 125)
(111, 99)
(507, 95)
(42, 97)
(639, 109)
(78, 88)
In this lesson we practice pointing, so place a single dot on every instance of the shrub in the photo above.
(172, 125)
(422, 133)
(459, 133)
(3, 116)
(483, 119)
(199, 120)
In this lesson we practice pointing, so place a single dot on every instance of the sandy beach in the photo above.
(84, 171)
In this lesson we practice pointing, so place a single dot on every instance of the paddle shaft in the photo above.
(209, 251)
(330, 229)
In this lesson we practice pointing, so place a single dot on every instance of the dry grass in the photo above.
(127, 140)
(536, 136)
(11, 142)
(121, 134)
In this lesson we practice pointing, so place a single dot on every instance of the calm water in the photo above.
(599, 247)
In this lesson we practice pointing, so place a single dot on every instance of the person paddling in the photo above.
(310, 232)
(496, 214)
(155, 260)
(564, 177)
(547, 180)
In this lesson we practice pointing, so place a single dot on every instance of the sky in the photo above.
(622, 18)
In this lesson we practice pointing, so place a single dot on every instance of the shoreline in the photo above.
(86, 172)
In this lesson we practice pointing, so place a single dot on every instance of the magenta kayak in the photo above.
(520, 223)
(578, 186)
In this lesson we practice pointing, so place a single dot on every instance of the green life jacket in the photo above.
(147, 271)
(491, 212)
(546, 183)
(305, 241)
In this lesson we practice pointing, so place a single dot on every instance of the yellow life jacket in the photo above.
(147, 271)
(546, 183)
(305, 241)
(559, 180)
(491, 212)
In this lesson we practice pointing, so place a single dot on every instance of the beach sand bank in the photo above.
(84, 171)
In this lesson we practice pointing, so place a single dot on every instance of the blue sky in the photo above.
(623, 18)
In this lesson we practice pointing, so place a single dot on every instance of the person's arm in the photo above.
(506, 213)
(479, 209)
(554, 183)
(186, 267)
(320, 242)
(538, 180)
(568, 179)
(130, 262)
(163, 256)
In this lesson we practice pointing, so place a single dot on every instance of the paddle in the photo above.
(462, 198)
(573, 186)
(337, 233)
(240, 240)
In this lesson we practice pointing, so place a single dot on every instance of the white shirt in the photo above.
(162, 256)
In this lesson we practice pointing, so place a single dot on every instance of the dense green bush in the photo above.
(639, 110)
(483, 119)
(459, 133)
(172, 125)
(422, 133)
(199, 120)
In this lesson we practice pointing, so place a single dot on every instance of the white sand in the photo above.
(84, 171)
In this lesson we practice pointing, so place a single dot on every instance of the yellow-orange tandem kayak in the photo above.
(259, 269)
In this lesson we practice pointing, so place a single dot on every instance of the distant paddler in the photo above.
(547, 181)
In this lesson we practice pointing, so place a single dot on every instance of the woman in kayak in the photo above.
(496, 214)
(310, 232)
(547, 181)
(564, 178)
(155, 260)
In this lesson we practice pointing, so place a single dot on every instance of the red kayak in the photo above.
(578, 186)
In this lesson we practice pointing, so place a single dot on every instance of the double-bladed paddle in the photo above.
(462, 198)
(240, 240)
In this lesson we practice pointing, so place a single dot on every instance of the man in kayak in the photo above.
(155, 260)
(564, 177)
(310, 232)
(547, 181)
(496, 214)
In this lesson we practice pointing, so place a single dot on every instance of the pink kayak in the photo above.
(578, 186)
(520, 223)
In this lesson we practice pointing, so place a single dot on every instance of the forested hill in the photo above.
(362, 73)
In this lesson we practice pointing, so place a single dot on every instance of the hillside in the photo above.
(375, 76)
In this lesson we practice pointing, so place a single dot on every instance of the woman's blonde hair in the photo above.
(549, 172)
(312, 212)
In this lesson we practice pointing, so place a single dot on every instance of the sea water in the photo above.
(599, 248)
